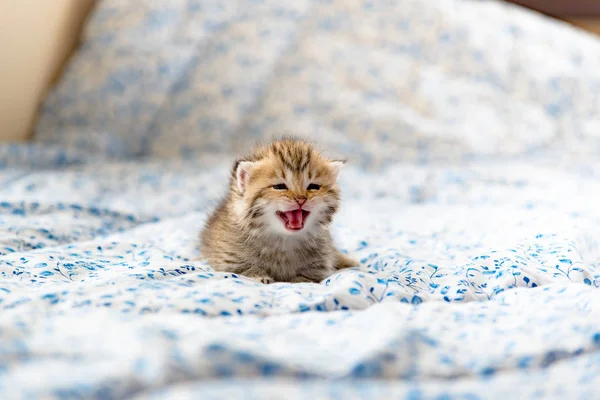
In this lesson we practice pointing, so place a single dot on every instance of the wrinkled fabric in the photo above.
(470, 200)
(470, 278)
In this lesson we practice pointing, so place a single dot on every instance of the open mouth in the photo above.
(293, 220)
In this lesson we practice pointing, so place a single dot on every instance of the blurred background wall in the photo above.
(37, 37)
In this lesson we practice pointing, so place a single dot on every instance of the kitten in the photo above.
(273, 225)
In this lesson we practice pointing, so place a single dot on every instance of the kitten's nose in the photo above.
(300, 200)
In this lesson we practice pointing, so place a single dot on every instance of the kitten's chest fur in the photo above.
(286, 258)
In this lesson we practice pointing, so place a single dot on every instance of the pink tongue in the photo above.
(294, 218)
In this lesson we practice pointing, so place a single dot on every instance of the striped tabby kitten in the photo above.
(273, 226)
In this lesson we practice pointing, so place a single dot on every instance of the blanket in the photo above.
(472, 280)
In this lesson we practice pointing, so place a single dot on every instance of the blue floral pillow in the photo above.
(379, 81)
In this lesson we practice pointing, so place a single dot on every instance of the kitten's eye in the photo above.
(280, 186)
(313, 186)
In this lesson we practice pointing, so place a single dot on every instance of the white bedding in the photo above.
(477, 228)
(490, 274)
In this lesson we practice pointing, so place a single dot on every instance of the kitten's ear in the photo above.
(336, 166)
(243, 170)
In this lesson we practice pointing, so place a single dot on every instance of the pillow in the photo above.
(389, 81)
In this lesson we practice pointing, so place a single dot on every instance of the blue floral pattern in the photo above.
(477, 232)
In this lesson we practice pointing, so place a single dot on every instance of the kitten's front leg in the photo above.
(300, 279)
(311, 274)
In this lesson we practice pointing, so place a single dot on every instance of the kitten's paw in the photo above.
(259, 274)
(266, 279)
(343, 261)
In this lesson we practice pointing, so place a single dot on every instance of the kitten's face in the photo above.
(287, 188)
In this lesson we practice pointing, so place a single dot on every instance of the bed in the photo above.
(470, 199)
